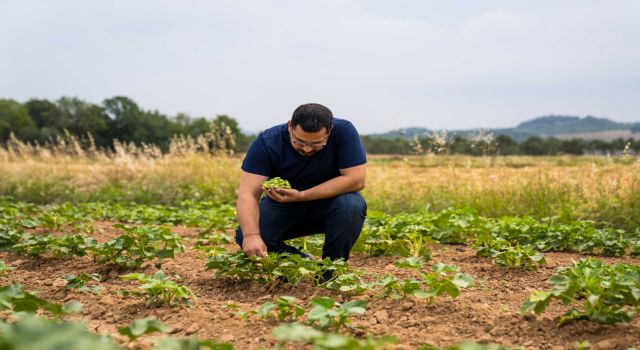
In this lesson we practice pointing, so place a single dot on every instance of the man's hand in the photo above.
(253, 245)
(284, 195)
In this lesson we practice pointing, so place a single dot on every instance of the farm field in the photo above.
(455, 249)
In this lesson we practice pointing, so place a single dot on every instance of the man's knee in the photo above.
(350, 204)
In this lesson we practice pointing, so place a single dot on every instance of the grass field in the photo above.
(453, 250)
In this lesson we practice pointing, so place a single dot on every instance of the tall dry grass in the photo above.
(598, 188)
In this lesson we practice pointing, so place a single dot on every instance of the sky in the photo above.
(380, 64)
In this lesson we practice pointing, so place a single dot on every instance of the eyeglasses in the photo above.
(314, 145)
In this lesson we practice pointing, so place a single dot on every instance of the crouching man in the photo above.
(324, 161)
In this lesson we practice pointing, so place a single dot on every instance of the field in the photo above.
(454, 250)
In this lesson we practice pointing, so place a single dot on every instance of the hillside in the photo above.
(564, 127)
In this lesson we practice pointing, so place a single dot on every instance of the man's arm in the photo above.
(248, 211)
(350, 180)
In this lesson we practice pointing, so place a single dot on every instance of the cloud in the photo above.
(381, 65)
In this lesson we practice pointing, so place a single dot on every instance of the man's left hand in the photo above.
(284, 195)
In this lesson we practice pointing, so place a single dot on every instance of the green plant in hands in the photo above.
(139, 245)
(276, 182)
(327, 313)
(596, 291)
(79, 282)
(160, 289)
(284, 309)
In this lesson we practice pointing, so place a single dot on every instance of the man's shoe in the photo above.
(326, 276)
(307, 256)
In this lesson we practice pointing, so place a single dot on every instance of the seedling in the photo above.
(160, 289)
(284, 309)
(139, 245)
(595, 290)
(142, 327)
(445, 279)
(35, 332)
(16, 299)
(79, 282)
(330, 314)
(236, 311)
(297, 333)
(4, 268)
(412, 262)
(394, 288)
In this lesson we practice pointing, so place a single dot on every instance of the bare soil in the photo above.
(486, 312)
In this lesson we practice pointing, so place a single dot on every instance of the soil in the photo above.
(486, 312)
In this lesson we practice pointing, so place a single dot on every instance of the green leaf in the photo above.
(462, 280)
(71, 307)
(325, 302)
(144, 326)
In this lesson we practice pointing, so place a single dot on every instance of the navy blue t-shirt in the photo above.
(271, 154)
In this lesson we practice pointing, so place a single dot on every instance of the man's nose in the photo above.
(307, 148)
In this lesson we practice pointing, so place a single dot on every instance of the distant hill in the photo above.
(554, 125)
(563, 127)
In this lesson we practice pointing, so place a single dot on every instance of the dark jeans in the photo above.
(340, 218)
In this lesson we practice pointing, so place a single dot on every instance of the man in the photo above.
(324, 161)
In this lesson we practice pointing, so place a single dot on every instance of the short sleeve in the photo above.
(256, 161)
(350, 151)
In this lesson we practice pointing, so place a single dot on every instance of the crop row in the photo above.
(509, 241)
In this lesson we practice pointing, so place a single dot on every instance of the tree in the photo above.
(130, 123)
(534, 145)
(46, 114)
(14, 117)
(573, 146)
(506, 145)
(84, 118)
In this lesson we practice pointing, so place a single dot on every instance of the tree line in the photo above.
(117, 118)
(500, 145)
(120, 118)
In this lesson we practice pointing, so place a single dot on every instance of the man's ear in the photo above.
(289, 124)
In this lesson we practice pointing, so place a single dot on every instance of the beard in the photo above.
(303, 153)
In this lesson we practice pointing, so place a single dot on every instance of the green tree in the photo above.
(573, 146)
(14, 117)
(506, 145)
(128, 122)
(84, 118)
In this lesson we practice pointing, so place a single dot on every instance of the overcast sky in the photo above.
(380, 64)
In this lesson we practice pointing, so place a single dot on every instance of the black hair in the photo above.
(312, 117)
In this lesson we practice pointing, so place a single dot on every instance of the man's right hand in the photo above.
(253, 245)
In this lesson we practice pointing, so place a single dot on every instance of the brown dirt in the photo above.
(486, 312)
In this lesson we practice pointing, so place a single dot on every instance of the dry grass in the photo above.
(599, 188)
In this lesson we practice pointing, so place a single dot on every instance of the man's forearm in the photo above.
(248, 214)
(336, 186)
